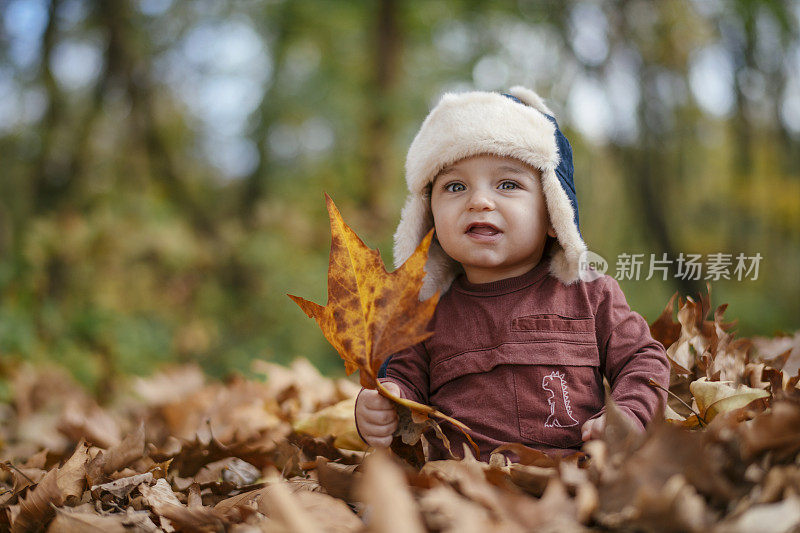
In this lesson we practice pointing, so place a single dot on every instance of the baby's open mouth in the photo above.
(481, 228)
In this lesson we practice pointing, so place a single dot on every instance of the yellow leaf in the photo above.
(371, 313)
(715, 397)
(336, 420)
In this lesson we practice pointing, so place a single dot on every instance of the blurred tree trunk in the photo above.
(743, 62)
(379, 100)
(48, 178)
(80, 154)
(135, 69)
(256, 184)
(647, 171)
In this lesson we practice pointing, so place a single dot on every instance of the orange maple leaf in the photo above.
(372, 313)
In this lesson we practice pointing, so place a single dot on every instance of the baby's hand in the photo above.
(376, 416)
(593, 429)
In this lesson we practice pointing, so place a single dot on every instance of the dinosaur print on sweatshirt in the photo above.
(560, 410)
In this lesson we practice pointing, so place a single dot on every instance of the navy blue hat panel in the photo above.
(564, 170)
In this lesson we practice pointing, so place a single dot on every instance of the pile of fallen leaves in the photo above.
(176, 452)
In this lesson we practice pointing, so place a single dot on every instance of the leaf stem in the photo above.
(430, 411)
(9, 463)
(653, 383)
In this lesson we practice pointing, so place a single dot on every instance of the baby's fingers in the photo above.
(380, 442)
(392, 387)
(373, 400)
(380, 417)
(380, 430)
(379, 435)
(598, 427)
(588, 429)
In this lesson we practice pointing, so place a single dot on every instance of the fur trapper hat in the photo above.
(518, 125)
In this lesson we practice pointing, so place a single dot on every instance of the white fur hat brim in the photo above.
(472, 123)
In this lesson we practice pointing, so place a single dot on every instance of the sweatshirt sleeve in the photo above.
(409, 370)
(629, 356)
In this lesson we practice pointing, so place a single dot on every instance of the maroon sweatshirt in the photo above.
(522, 360)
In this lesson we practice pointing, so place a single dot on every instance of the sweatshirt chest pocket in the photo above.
(552, 327)
(540, 384)
(561, 387)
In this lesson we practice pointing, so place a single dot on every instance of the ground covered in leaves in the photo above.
(177, 452)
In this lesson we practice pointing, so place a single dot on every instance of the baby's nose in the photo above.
(480, 200)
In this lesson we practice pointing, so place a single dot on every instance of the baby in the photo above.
(522, 335)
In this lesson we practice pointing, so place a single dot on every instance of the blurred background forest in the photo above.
(163, 163)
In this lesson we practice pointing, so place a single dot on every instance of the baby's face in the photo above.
(490, 216)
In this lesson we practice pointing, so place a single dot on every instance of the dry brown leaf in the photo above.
(444, 509)
(170, 385)
(35, 509)
(692, 340)
(71, 476)
(227, 505)
(390, 504)
(81, 419)
(120, 488)
(781, 385)
(68, 521)
(139, 520)
(231, 469)
(333, 514)
(664, 329)
(531, 479)
(166, 504)
(527, 456)
(626, 482)
(158, 495)
(675, 506)
(23, 477)
(312, 447)
(121, 455)
(620, 433)
(198, 519)
(337, 480)
(469, 476)
(300, 388)
(37, 460)
(777, 430)
(194, 498)
(773, 348)
(282, 507)
(250, 498)
(738, 473)
(779, 517)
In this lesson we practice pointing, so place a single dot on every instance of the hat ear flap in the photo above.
(416, 220)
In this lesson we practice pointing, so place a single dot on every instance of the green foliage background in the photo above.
(158, 204)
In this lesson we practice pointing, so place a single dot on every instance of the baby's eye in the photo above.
(508, 185)
(454, 187)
